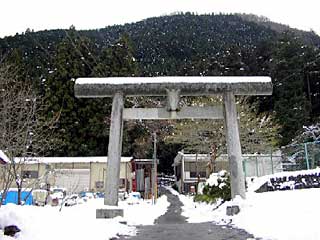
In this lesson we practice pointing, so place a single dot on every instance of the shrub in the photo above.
(175, 187)
(216, 187)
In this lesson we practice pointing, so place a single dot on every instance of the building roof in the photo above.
(190, 158)
(102, 159)
(144, 161)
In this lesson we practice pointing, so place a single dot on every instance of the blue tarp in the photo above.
(12, 197)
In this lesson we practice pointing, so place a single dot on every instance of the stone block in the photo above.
(233, 210)
(11, 230)
(109, 212)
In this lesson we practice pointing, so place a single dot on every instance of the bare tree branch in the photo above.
(24, 130)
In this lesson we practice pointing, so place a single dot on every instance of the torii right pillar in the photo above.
(233, 146)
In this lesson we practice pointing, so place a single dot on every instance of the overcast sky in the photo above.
(18, 15)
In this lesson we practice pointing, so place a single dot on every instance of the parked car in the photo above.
(122, 194)
(39, 197)
(85, 196)
(134, 198)
(56, 198)
(72, 200)
(100, 194)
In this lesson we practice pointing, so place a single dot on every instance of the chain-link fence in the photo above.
(301, 156)
(290, 158)
(262, 164)
(255, 164)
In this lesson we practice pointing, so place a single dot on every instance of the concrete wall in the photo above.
(98, 174)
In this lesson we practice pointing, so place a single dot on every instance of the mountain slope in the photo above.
(181, 44)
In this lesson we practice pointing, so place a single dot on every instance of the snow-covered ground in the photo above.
(280, 215)
(79, 222)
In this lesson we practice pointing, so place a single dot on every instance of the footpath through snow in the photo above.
(173, 226)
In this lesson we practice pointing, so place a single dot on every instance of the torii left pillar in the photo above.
(114, 151)
(114, 159)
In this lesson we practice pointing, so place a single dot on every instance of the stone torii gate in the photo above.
(173, 88)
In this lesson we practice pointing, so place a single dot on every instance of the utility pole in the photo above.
(154, 189)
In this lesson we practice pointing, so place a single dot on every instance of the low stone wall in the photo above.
(301, 181)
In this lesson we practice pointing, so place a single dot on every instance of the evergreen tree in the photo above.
(81, 126)
(117, 60)
(290, 102)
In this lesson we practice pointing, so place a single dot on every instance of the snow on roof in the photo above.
(190, 157)
(143, 160)
(23, 189)
(174, 79)
(3, 157)
(102, 159)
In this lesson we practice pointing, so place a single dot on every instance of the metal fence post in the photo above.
(244, 168)
(257, 168)
(306, 154)
(272, 171)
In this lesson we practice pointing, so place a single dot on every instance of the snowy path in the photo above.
(173, 214)
(173, 226)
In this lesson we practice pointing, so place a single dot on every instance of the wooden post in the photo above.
(233, 146)
(154, 170)
(114, 151)
(182, 174)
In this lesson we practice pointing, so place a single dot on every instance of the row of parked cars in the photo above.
(74, 199)
(82, 197)
(56, 196)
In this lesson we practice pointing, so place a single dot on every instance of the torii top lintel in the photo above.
(158, 86)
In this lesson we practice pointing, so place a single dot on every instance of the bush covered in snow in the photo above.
(217, 187)
(307, 134)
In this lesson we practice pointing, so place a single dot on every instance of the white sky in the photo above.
(18, 15)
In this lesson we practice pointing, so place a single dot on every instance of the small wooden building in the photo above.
(143, 173)
(76, 174)
(190, 169)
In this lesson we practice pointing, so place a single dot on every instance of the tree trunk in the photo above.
(19, 195)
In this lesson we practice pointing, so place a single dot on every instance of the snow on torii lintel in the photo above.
(188, 86)
(174, 79)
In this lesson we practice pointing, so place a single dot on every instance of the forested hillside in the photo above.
(181, 44)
